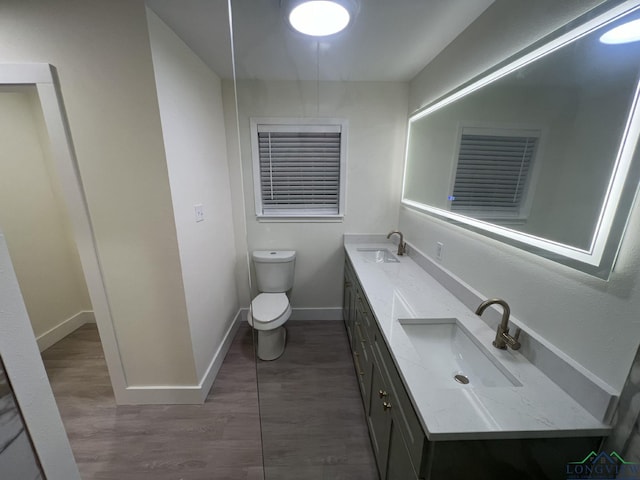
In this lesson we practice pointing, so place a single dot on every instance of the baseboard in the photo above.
(197, 394)
(316, 313)
(187, 394)
(214, 367)
(57, 333)
(161, 395)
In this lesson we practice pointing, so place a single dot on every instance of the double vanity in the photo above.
(441, 401)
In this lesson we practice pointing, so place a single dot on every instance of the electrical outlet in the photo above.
(439, 247)
(199, 212)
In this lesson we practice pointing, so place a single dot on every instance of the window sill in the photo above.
(300, 219)
(497, 219)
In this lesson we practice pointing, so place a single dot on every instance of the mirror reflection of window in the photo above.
(493, 174)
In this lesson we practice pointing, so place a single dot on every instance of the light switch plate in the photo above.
(199, 210)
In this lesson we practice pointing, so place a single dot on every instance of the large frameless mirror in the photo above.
(540, 152)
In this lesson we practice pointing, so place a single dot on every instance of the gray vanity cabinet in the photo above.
(362, 348)
(406, 438)
(353, 315)
(401, 447)
(363, 362)
(387, 426)
(396, 436)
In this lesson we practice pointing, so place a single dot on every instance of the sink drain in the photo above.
(461, 379)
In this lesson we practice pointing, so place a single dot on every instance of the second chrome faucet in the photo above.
(503, 339)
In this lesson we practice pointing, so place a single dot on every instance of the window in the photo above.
(494, 172)
(299, 167)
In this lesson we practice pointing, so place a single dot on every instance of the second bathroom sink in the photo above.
(378, 255)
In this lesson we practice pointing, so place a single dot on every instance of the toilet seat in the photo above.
(269, 311)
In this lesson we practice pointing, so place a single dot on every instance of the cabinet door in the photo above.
(405, 418)
(364, 364)
(379, 420)
(399, 466)
(348, 301)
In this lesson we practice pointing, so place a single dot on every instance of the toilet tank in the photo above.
(274, 270)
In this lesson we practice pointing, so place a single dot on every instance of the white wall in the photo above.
(34, 219)
(593, 321)
(103, 58)
(190, 100)
(24, 368)
(377, 115)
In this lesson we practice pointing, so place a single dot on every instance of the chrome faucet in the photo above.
(402, 247)
(503, 339)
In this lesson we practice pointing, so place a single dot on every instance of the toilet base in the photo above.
(271, 343)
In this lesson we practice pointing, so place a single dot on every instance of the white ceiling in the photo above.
(388, 40)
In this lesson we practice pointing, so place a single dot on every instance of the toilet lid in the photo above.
(266, 307)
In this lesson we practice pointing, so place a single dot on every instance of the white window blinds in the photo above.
(299, 169)
(493, 172)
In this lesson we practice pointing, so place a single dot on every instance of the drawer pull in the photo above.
(386, 406)
(356, 357)
(382, 393)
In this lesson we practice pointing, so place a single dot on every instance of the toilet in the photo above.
(270, 309)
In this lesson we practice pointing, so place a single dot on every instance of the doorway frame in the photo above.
(44, 78)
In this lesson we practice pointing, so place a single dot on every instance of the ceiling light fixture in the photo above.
(625, 33)
(319, 18)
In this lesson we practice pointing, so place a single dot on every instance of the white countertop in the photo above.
(538, 408)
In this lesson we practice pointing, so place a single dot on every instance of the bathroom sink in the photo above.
(378, 255)
(453, 356)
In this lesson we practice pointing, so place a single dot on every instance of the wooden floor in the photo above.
(217, 440)
(313, 425)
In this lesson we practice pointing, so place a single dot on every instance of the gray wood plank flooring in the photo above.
(219, 440)
(313, 425)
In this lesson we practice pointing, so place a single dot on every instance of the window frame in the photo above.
(298, 124)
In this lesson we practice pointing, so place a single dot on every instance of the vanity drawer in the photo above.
(405, 417)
